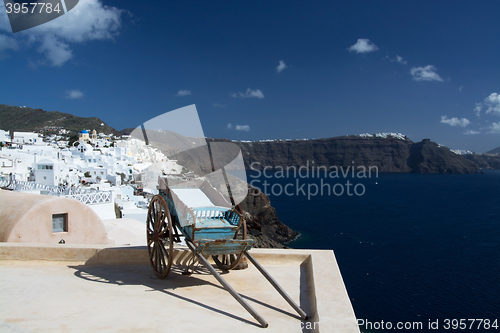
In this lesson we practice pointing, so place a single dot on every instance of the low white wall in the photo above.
(105, 211)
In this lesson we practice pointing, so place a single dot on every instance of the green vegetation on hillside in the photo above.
(16, 118)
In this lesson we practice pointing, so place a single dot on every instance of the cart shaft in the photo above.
(275, 284)
(226, 286)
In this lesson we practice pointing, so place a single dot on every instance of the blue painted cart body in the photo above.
(213, 229)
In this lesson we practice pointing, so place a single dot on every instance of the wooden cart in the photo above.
(210, 227)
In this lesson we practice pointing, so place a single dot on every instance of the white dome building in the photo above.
(84, 136)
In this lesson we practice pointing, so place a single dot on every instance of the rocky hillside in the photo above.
(388, 154)
(494, 151)
(485, 161)
(24, 119)
(429, 157)
(263, 223)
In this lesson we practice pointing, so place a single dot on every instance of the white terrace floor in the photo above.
(94, 289)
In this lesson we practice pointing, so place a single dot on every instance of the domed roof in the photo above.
(84, 147)
(84, 132)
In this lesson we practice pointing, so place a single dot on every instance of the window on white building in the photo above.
(59, 222)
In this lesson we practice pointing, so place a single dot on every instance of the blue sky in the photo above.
(270, 69)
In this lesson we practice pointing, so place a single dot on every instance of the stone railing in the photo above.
(4, 183)
(93, 198)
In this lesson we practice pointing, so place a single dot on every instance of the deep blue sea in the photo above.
(412, 248)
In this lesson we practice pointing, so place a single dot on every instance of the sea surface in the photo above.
(412, 248)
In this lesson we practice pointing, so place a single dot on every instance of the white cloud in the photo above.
(492, 103)
(460, 88)
(89, 20)
(245, 128)
(7, 43)
(427, 73)
(74, 94)
(363, 46)
(495, 128)
(478, 108)
(471, 132)
(455, 121)
(282, 66)
(183, 93)
(249, 93)
(56, 51)
(217, 105)
(400, 60)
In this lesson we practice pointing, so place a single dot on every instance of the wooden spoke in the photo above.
(227, 261)
(159, 240)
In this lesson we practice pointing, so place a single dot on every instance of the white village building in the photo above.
(96, 161)
(4, 137)
(22, 138)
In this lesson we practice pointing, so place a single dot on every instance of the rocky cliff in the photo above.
(387, 154)
(494, 151)
(429, 157)
(485, 161)
(263, 223)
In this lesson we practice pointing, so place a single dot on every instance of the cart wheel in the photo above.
(159, 234)
(229, 261)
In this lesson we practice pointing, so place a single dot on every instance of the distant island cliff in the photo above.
(485, 161)
(388, 154)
